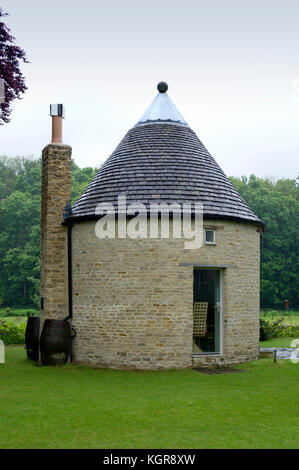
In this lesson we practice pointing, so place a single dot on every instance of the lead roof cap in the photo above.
(162, 109)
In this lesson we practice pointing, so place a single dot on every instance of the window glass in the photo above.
(210, 236)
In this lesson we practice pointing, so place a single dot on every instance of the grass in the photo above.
(17, 312)
(274, 315)
(278, 342)
(17, 320)
(74, 406)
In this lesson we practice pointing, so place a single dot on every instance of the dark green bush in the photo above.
(11, 333)
(266, 330)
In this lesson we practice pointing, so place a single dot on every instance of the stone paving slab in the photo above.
(282, 353)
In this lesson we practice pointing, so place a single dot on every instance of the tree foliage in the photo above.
(10, 57)
(277, 204)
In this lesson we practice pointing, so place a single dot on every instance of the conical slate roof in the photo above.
(162, 160)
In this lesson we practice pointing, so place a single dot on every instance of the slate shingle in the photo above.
(167, 160)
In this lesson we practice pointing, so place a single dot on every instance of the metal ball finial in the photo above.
(162, 87)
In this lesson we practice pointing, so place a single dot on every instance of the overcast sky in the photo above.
(232, 68)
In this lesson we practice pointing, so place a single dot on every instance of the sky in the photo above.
(232, 68)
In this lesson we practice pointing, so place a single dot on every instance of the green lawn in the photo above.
(18, 320)
(17, 312)
(274, 315)
(278, 342)
(77, 407)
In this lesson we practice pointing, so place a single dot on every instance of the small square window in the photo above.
(210, 237)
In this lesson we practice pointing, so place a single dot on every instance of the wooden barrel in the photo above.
(32, 338)
(55, 342)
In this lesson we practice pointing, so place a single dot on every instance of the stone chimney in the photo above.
(55, 193)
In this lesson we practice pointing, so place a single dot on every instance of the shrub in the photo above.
(266, 330)
(11, 333)
(282, 331)
(276, 330)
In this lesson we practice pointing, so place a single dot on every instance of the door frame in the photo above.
(221, 274)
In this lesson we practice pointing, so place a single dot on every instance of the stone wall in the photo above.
(133, 301)
(56, 191)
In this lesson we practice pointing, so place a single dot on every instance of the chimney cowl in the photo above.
(57, 110)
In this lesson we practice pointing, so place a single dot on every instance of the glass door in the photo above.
(206, 311)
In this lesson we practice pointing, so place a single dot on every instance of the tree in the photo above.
(19, 247)
(80, 179)
(10, 74)
(20, 187)
(277, 204)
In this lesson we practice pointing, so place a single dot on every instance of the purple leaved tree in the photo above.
(12, 82)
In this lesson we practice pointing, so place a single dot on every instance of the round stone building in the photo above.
(136, 289)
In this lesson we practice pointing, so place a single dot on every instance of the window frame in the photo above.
(214, 236)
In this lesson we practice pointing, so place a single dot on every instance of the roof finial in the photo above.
(162, 87)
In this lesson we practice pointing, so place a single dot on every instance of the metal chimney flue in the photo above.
(57, 113)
